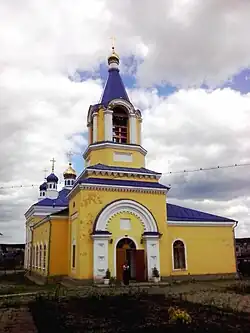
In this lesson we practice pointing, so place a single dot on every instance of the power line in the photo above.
(164, 173)
(208, 169)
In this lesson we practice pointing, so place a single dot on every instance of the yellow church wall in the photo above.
(210, 250)
(59, 247)
(41, 236)
(92, 202)
(134, 233)
(73, 239)
(105, 156)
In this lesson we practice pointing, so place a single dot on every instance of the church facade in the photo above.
(117, 210)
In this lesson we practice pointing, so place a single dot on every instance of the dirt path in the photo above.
(16, 320)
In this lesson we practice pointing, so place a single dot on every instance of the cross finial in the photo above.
(113, 42)
(69, 155)
(53, 164)
(45, 172)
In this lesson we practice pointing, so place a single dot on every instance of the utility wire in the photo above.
(164, 173)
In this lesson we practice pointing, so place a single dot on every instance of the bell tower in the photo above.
(114, 125)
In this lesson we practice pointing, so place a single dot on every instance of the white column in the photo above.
(95, 127)
(153, 254)
(108, 125)
(132, 129)
(100, 256)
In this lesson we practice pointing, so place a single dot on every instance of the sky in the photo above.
(186, 66)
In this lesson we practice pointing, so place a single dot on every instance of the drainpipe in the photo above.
(235, 256)
(48, 261)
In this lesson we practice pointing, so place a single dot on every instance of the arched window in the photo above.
(33, 256)
(179, 255)
(36, 264)
(40, 256)
(44, 256)
(120, 125)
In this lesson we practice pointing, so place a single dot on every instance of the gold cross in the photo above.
(113, 42)
(53, 164)
(45, 172)
(69, 155)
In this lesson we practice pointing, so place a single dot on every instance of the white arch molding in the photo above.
(127, 206)
(101, 242)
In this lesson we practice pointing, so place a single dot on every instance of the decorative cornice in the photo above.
(201, 223)
(118, 173)
(115, 188)
(112, 145)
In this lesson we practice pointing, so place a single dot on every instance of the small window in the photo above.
(179, 255)
(74, 256)
(54, 186)
(74, 204)
(125, 224)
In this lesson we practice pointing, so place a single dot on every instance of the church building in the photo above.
(117, 210)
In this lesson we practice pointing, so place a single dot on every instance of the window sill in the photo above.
(179, 270)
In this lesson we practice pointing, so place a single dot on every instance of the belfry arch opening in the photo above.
(120, 125)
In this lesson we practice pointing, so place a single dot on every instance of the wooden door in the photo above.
(120, 259)
(140, 265)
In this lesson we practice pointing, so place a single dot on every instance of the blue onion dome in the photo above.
(69, 173)
(43, 186)
(52, 178)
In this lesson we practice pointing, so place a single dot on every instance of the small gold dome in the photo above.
(113, 57)
(69, 172)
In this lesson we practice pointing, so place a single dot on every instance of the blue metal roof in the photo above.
(178, 213)
(118, 182)
(60, 201)
(100, 166)
(43, 186)
(52, 178)
(114, 87)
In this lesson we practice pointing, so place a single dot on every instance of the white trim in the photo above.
(115, 245)
(108, 125)
(74, 216)
(200, 223)
(42, 210)
(117, 187)
(100, 249)
(94, 127)
(128, 206)
(113, 145)
(185, 252)
(122, 102)
(153, 253)
(132, 130)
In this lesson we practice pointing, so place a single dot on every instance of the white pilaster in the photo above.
(100, 255)
(132, 129)
(153, 253)
(108, 125)
(95, 127)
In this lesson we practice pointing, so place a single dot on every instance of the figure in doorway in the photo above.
(125, 268)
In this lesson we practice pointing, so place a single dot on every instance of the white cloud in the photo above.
(43, 114)
(198, 129)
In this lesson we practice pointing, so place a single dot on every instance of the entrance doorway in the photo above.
(126, 250)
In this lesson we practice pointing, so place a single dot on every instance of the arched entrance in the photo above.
(126, 250)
